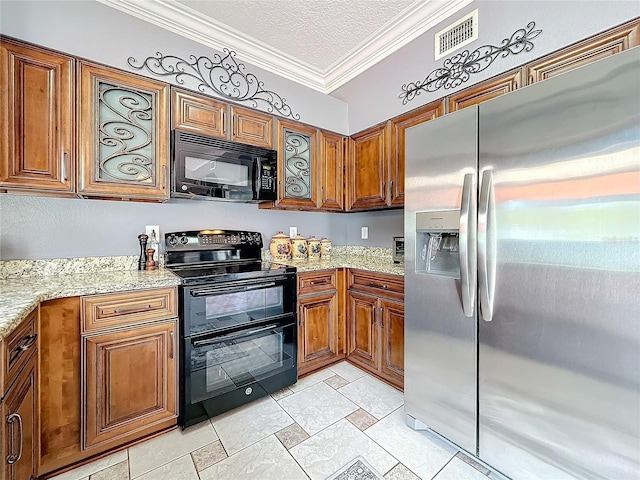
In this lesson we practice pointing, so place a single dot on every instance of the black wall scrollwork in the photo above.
(222, 75)
(458, 69)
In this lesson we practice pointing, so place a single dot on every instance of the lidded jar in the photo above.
(314, 247)
(280, 247)
(299, 250)
(325, 247)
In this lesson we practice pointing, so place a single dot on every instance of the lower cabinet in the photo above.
(20, 426)
(129, 383)
(318, 320)
(19, 400)
(375, 324)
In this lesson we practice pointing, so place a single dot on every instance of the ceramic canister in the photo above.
(280, 247)
(325, 248)
(314, 248)
(299, 250)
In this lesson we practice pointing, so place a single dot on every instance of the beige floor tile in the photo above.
(373, 395)
(347, 371)
(422, 452)
(312, 379)
(119, 471)
(317, 407)
(362, 419)
(335, 446)
(285, 392)
(250, 423)
(292, 435)
(336, 381)
(170, 446)
(93, 467)
(179, 469)
(265, 460)
(457, 469)
(208, 455)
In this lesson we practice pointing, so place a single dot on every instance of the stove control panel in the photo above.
(210, 239)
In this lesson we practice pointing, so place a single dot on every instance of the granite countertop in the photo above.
(20, 295)
(26, 283)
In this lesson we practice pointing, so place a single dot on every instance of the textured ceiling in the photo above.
(316, 32)
(321, 44)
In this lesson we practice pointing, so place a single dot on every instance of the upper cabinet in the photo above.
(37, 150)
(368, 168)
(297, 152)
(582, 53)
(123, 134)
(396, 164)
(492, 88)
(331, 171)
(208, 116)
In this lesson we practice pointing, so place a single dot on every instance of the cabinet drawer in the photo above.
(113, 309)
(19, 346)
(377, 283)
(320, 281)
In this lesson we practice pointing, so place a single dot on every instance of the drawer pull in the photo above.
(24, 344)
(120, 311)
(12, 457)
(375, 285)
(319, 282)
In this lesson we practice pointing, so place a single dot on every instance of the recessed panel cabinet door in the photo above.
(331, 171)
(362, 329)
(37, 150)
(318, 329)
(368, 165)
(20, 425)
(123, 135)
(130, 383)
(392, 340)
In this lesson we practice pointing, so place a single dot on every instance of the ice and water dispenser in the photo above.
(437, 235)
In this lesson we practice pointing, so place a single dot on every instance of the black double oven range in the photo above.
(238, 321)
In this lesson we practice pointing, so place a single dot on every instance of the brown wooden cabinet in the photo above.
(123, 134)
(375, 324)
(129, 358)
(37, 146)
(367, 169)
(59, 384)
(318, 320)
(19, 391)
(208, 116)
(396, 165)
(331, 171)
(492, 88)
(600, 46)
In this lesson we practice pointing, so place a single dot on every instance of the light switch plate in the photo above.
(364, 234)
(293, 231)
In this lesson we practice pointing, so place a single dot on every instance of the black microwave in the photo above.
(205, 167)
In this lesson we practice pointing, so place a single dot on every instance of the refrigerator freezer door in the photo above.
(559, 376)
(440, 341)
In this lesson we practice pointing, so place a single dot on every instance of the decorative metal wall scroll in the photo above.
(125, 134)
(457, 69)
(222, 75)
(297, 177)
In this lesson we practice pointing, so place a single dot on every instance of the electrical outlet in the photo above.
(364, 233)
(293, 231)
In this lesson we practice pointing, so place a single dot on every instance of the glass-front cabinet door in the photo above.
(297, 179)
(124, 135)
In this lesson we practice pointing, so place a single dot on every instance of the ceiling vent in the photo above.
(457, 35)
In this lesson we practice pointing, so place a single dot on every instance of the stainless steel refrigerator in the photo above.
(522, 276)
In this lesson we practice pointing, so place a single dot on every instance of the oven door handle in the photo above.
(203, 292)
(231, 336)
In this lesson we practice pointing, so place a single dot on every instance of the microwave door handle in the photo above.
(231, 336)
(257, 163)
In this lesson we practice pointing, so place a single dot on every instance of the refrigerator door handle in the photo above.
(467, 245)
(486, 262)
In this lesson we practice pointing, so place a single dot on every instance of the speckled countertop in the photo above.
(20, 295)
(26, 283)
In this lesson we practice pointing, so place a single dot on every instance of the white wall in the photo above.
(562, 23)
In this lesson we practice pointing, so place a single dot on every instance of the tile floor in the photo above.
(307, 431)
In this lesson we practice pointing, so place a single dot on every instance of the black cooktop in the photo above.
(225, 272)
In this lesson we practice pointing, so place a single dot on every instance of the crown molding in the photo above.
(188, 23)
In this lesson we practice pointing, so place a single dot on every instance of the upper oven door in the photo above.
(227, 305)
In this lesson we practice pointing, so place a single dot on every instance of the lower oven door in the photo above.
(222, 372)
